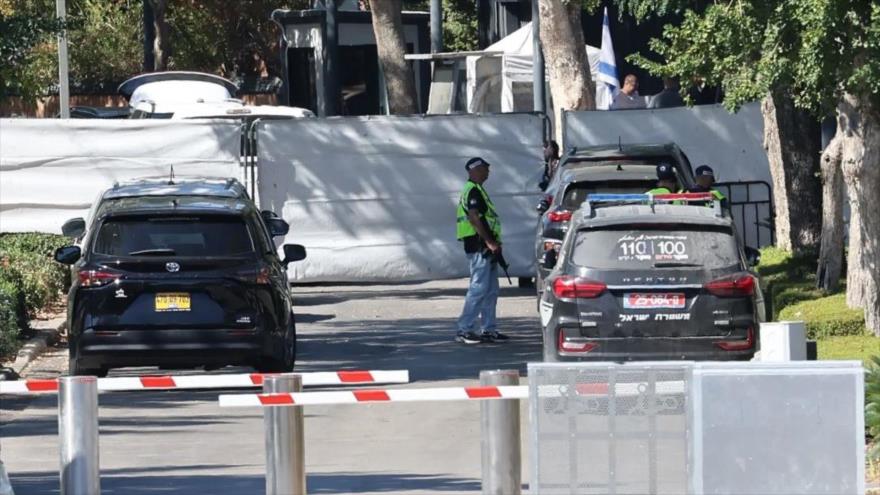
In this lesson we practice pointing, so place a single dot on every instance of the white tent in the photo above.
(501, 80)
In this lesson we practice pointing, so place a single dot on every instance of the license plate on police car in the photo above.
(673, 300)
(173, 301)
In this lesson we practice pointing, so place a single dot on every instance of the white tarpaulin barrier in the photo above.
(374, 198)
(52, 170)
(732, 144)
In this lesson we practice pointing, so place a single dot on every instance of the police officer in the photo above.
(666, 181)
(479, 230)
(705, 178)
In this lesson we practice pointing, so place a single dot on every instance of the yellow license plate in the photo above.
(174, 301)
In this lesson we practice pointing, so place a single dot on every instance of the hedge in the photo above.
(29, 281)
(826, 317)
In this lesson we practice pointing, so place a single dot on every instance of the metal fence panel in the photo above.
(604, 428)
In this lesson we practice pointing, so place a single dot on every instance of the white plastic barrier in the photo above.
(52, 170)
(374, 198)
(748, 428)
(732, 144)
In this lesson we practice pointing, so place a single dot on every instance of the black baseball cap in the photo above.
(704, 171)
(475, 162)
(665, 172)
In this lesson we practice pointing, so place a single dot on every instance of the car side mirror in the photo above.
(753, 256)
(68, 255)
(277, 227)
(293, 252)
(550, 258)
(542, 207)
(74, 227)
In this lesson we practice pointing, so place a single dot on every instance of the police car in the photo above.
(651, 277)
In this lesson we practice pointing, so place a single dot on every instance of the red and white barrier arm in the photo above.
(246, 380)
(364, 396)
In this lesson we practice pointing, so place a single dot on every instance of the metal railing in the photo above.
(751, 207)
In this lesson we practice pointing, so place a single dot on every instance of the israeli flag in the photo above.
(607, 84)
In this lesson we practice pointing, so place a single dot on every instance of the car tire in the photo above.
(285, 360)
(75, 368)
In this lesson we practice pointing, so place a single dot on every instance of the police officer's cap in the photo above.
(665, 172)
(475, 162)
(705, 171)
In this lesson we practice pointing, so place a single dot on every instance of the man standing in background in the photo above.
(479, 229)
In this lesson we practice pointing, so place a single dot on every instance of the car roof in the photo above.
(218, 188)
(182, 205)
(597, 172)
(128, 87)
(604, 216)
(623, 150)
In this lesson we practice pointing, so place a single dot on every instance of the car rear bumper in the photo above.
(169, 347)
(655, 349)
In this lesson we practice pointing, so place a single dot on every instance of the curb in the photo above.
(33, 348)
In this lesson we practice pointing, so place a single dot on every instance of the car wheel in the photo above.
(75, 368)
(285, 359)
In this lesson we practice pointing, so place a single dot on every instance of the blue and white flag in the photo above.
(607, 84)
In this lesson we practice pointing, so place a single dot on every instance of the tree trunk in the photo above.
(161, 47)
(391, 45)
(565, 57)
(792, 143)
(861, 172)
(831, 250)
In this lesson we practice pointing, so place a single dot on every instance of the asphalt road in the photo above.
(181, 442)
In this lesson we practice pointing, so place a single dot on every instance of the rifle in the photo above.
(498, 257)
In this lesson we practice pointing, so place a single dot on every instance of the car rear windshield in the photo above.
(577, 192)
(656, 246)
(214, 236)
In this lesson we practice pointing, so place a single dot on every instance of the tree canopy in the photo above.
(815, 50)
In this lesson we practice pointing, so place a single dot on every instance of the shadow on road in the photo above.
(424, 346)
(163, 480)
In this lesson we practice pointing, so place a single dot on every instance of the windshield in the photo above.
(656, 246)
(577, 192)
(209, 236)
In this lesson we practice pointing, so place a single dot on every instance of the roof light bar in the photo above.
(687, 197)
(611, 198)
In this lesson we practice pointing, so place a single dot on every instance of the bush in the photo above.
(27, 259)
(872, 404)
(10, 324)
(826, 317)
(29, 280)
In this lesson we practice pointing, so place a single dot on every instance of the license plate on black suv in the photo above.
(670, 300)
(173, 301)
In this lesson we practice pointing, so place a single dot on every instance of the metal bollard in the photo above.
(285, 450)
(78, 434)
(499, 421)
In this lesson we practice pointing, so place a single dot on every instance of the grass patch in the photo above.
(850, 347)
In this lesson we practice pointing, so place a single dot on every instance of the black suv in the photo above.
(179, 274)
(598, 169)
(650, 281)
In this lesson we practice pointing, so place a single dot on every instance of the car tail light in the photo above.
(263, 277)
(97, 278)
(565, 345)
(559, 216)
(738, 345)
(733, 286)
(552, 246)
(566, 287)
